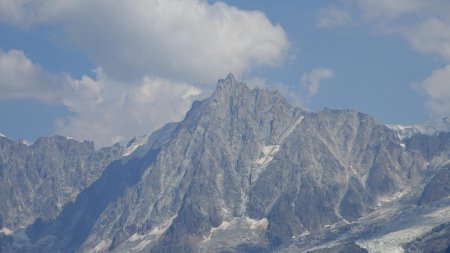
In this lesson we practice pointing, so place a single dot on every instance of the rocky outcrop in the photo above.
(436, 240)
(36, 181)
(438, 188)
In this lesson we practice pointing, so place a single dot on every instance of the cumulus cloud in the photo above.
(120, 112)
(191, 40)
(311, 81)
(431, 36)
(151, 57)
(381, 11)
(437, 89)
(21, 78)
(388, 9)
(104, 109)
(332, 16)
(425, 25)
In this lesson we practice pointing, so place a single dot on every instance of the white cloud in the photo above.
(256, 82)
(189, 40)
(311, 81)
(124, 112)
(21, 78)
(147, 55)
(380, 11)
(425, 25)
(388, 9)
(437, 89)
(332, 16)
(105, 110)
(431, 36)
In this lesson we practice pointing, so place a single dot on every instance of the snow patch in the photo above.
(256, 224)
(2, 135)
(103, 245)
(330, 226)
(21, 141)
(223, 226)
(428, 128)
(141, 245)
(159, 230)
(445, 163)
(6, 231)
(291, 128)
(268, 152)
(386, 199)
(442, 213)
(143, 240)
(139, 146)
(135, 237)
(267, 155)
(305, 233)
(71, 138)
(392, 242)
(135, 143)
(241, 222)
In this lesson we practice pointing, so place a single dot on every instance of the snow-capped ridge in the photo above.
(139, 146)
(427, 128)
(135, 143)
(6, 231)
(73, 139)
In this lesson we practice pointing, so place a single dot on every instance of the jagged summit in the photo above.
(229, 85)
(233, 92)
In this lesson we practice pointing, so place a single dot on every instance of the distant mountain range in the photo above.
(244, 171)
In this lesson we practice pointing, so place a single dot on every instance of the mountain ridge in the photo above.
(427, 128)
(37, 180)
(246, 171)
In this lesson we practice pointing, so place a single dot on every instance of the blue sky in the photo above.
(110, 70)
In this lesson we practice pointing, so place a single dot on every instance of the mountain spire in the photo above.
(229, 85)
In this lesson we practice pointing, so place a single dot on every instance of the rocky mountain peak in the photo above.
(229, 85)
(229, 90)
(246, 171)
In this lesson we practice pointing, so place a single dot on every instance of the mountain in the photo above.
(428, 128)
(246, 171)
(36, 181)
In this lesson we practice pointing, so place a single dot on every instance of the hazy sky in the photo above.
(109, 70)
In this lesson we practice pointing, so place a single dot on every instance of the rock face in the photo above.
(245, 171)
(436, 240)
(38, 180)
(335, 165)
(438, 188)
